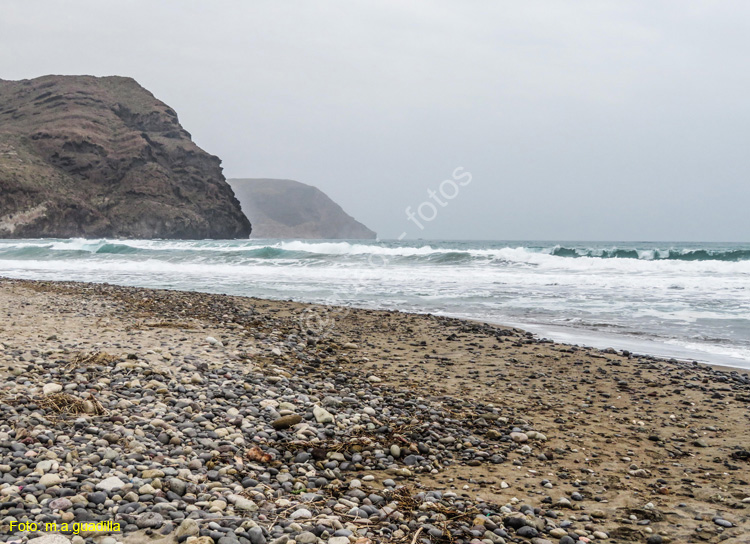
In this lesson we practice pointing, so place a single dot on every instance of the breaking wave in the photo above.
(685, 254)
(694, 295)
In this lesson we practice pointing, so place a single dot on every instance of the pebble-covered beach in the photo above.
(208, 419)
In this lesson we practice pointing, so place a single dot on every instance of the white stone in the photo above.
(108, 484)
(245, 504)
(50, 539)
(50, 480)
(302, 513)
(52, 388)
(265, 403)
(43, 466)
(322, 415)
(188, 527)
(242, 503)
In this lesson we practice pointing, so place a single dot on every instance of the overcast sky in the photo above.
(586, 120)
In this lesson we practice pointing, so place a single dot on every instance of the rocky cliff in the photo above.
(83, 156)
(282, 208)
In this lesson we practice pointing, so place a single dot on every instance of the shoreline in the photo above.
(513, 434)
(542, 332)
(620, 345)
(518, 283)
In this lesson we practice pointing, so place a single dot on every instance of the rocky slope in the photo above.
(283, 208)
(83, 156)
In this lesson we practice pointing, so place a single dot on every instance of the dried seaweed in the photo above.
(91, 358)
(409, 505)
(64, 404)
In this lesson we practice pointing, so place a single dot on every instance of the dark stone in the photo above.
(256, 535)
(528, 532)
(515, 522)
(97, 497)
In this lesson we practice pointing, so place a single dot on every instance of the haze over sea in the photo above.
(684, 300)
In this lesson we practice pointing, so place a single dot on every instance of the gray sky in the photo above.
(586, 120)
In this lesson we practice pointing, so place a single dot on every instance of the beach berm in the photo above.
(211, 419)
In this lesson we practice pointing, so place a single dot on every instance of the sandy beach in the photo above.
(189, 417)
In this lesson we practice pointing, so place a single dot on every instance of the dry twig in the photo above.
(64, 404)
(91, 358)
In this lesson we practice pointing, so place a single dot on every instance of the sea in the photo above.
(689, 301)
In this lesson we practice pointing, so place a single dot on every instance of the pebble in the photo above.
(322, 415)
(60, 504)
(149, 520)
(49, 539)
(210, 446)
(108, 484)
(97, 497)
(306, 537)
(188, 527)
(243, 503)
(302, 513)
(285, 422)
(256, 535)
(51, 388)
(50, 480)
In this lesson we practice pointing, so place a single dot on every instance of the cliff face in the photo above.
(282, 208)
(82, 156)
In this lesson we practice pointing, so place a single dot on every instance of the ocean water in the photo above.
(684, 300)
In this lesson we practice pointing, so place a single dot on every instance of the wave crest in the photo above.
(733, 255)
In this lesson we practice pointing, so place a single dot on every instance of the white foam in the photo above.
(668, 298)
